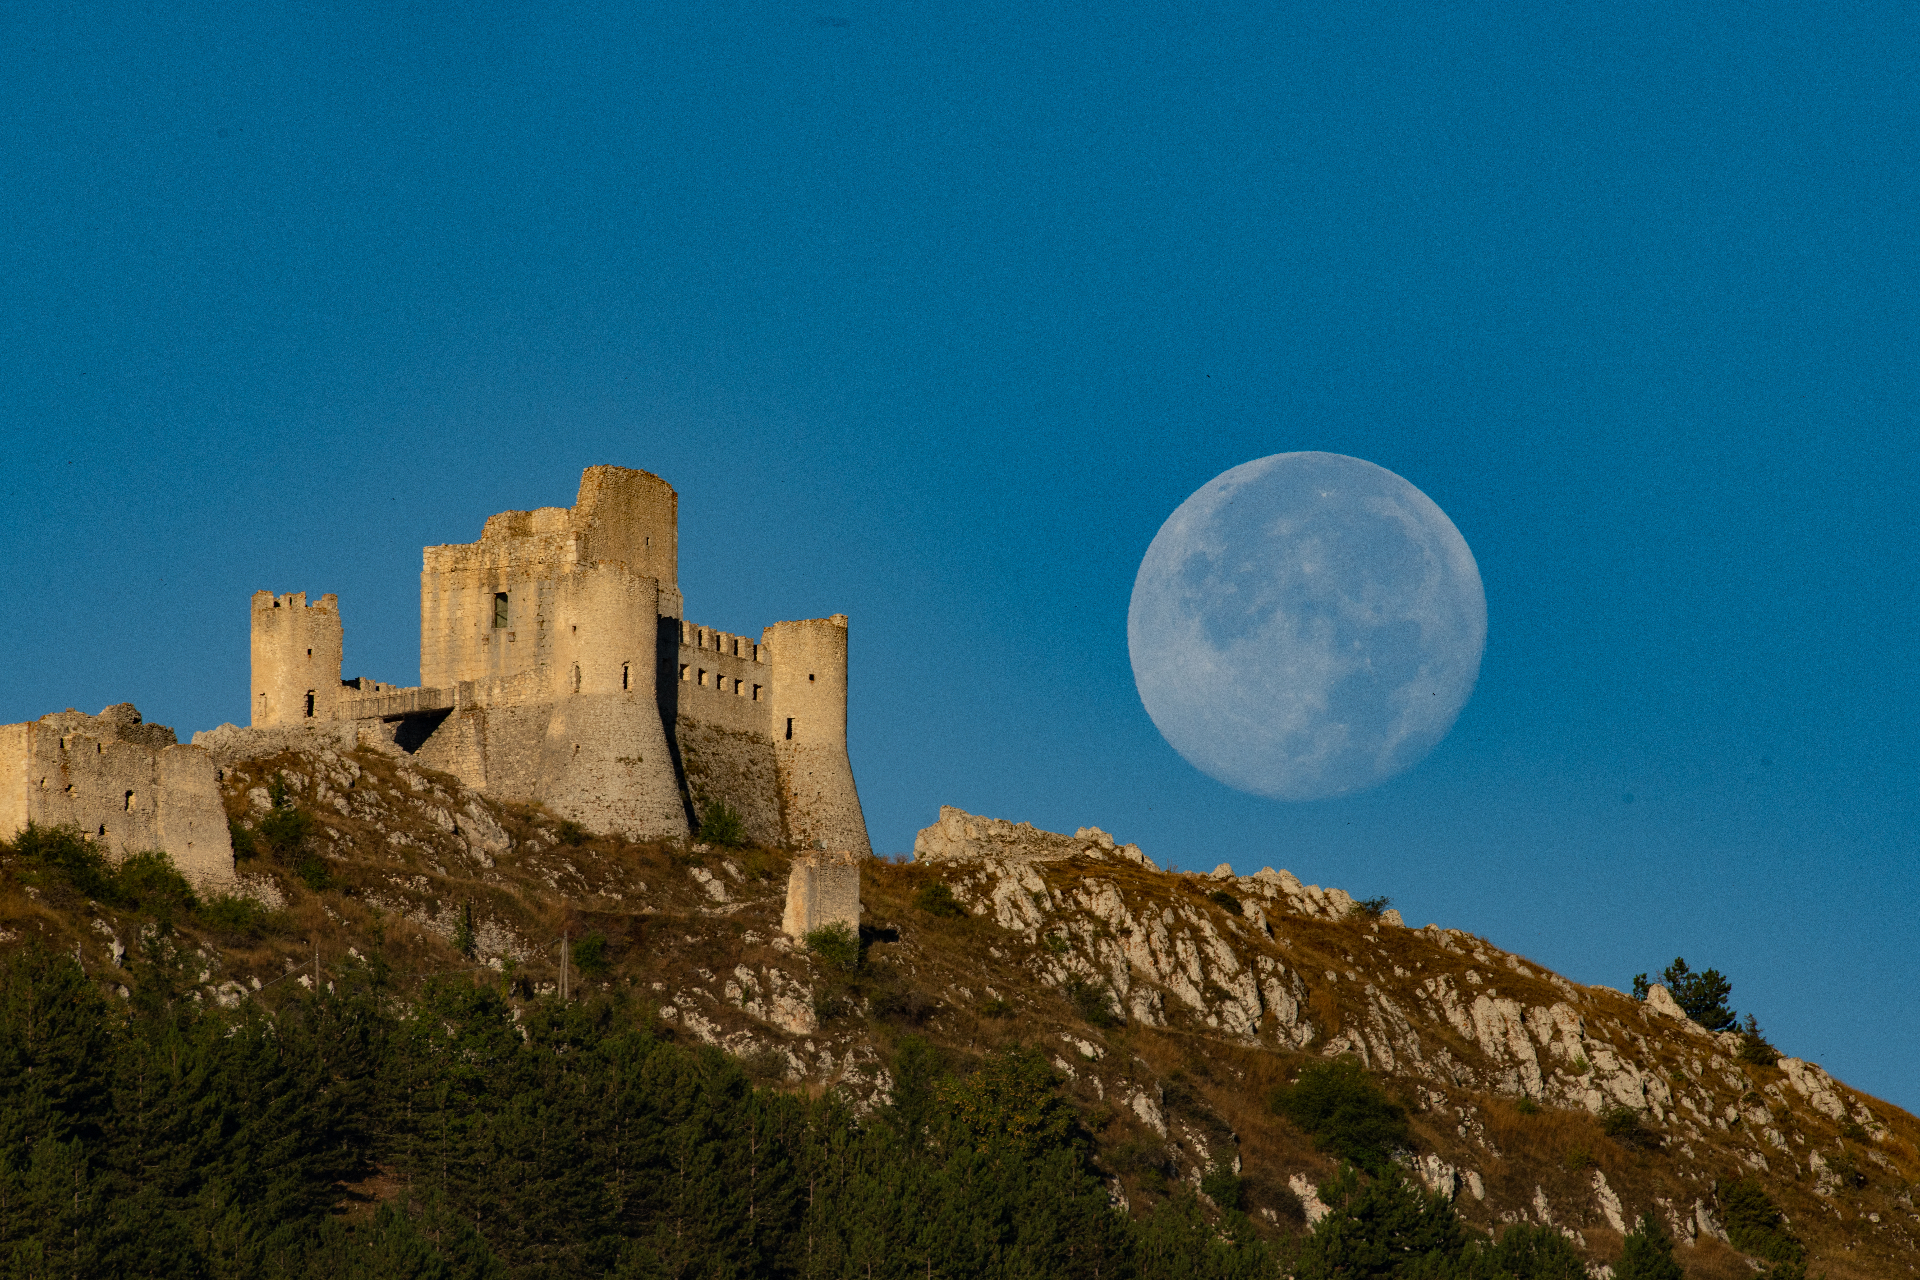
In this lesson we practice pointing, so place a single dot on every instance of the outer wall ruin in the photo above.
(556, 667)
(128, 785)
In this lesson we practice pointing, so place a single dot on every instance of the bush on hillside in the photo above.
(1346, 1114)
(1371, 908)
(1701, 996)
(1226, 902)
(1092, 1001)
(1754, 1049)
(1648, 1254)
(720, 824)
(1755, 1224)
(836, 946)
(936, 899)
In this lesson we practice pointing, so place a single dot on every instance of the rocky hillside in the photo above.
(1171, 1005)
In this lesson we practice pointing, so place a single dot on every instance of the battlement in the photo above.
(555, 666)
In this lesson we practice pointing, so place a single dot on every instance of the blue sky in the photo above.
(932, 314)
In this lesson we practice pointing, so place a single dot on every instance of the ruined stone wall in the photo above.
(127, 785)
(809, 709)
(736, 769)
(296, 658)
(823, 889)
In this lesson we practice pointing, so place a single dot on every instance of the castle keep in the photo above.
(556, 666)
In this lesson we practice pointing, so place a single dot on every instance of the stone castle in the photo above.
(556, 667)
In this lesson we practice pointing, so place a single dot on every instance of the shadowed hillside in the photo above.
(1187, 1023)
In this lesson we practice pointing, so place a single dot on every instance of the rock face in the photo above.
(960, 836)
(822, 889)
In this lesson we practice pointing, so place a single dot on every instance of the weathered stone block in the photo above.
(823, 889)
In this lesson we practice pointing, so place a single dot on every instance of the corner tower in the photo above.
(809, 730)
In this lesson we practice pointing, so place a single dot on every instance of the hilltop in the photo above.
(1170, 1006)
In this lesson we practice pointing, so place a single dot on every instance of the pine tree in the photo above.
(1648, 1254)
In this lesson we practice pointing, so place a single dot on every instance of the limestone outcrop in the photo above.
(960, 836)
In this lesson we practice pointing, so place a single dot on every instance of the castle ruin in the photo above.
(556, 667)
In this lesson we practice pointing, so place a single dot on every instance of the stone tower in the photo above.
(556, 668)
(296, 658)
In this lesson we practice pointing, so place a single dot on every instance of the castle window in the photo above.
(686, 672)
(809, 677)
(756, 693)
(309, 704)
(499, 609)
(129, 802)
(739, 689)
(623, 675)
(576, 677)
(703, 677)
(789, 728)
(309, 653)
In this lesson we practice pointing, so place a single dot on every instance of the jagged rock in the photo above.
(1660, 1000)
(960, 836)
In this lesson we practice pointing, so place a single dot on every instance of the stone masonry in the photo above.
(128, 785)
(556, 668)
(822, 889)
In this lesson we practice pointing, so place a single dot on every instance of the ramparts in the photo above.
(556, 668)
(126, 784)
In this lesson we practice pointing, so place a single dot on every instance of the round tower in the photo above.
(820, 805)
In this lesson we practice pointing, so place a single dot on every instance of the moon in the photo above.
(1306, 626)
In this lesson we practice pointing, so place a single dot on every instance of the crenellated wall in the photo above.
(555, 667)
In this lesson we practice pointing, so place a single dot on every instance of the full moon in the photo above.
(1305, 626)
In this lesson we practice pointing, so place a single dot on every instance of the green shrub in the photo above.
(1346, 1114)
(1701, 996)
(1092, 1001)
(996, 1008)
(936, 899)
(720, 824)
(235, 918)
(463, 940)
(1755, 1224)
(1372, 908)
(1622, 1124)
(147, 881)
(1648, 1254)
(589, 955)
(1226, 902)
(836, 946)
(1527, 1106)
(1224, 1187)
(1383, 1228)
(1527, 1252)
(570, 832)
(1754, 1049)
(62, 855)
(1057, 943)
(241, 834)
